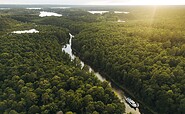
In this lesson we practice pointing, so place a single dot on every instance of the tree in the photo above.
(34, 109)
(13, 112)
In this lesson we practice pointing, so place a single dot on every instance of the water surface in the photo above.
(5, 8)
(121, 12)
(34, 8)
(121, 21)
(98, 12)
(26, 31)
(45, 14)
(60, 7)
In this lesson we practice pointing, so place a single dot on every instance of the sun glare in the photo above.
(137, 2)
(156, 2)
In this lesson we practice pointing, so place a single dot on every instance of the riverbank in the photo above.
(143, 107)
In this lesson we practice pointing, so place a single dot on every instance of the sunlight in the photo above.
(155, 2)
(136, 2)
(152, 16)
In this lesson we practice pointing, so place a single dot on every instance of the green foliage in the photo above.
(6, 23)
(144, 55)
(37, 77)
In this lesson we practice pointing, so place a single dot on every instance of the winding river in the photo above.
(67, 49)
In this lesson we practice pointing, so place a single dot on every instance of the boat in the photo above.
(131, 102)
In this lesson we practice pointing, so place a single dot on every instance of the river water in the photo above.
(67, 49)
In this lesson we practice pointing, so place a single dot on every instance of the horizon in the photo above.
(99, 4)
(94, 2)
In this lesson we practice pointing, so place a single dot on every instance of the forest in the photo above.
(37, 77)
(145, 54)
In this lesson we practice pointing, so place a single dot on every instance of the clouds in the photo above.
(95, 2)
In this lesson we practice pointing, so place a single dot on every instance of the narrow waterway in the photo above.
(67, 49)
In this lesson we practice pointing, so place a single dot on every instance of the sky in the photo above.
(96, 2)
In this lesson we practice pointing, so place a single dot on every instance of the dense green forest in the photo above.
(37, 77)
(145, 55)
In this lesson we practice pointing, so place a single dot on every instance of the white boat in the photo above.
(132, 103)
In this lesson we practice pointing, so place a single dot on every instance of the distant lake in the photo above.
(26, 31)
(34, 8)
(98, 12)
(60, 7)
(44, 14)
(121, 21)
(4, 8)
(121, 12)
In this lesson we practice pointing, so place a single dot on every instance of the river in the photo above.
(67, 49)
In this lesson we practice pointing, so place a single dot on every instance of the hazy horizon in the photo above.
(94, 2)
